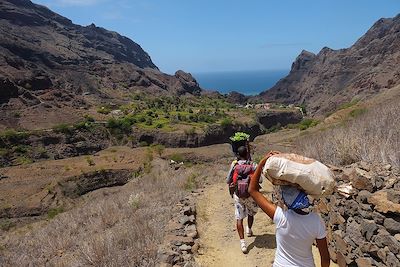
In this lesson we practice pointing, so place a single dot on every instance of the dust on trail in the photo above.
(219, 241)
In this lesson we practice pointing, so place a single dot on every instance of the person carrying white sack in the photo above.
(296, 228)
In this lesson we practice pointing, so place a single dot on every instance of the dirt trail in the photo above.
(219, 241)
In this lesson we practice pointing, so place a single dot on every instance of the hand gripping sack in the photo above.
(312, 176)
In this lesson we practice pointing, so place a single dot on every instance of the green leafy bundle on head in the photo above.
(240, 136)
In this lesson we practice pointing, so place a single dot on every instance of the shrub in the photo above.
(134, 201)
(137, 173)
(104, 110)
(274, 128)
(4, 152)
(85, 124)
(159, 149)
(303, 109)
(143, 143)
(54, 212)
(177, 157)
(190, 183)
(6, 224)
(190, 131)
(148, 161)
(89, 118)
(11, 135)
(149, 121)
(226, 122)
(51, 213)
(357, 112)
(349, 104)
(193, 118)
(63, 128)
(123, 125)
(21, 149)
(90, 161)
(42, 152)
(307, 123)
(23, 160)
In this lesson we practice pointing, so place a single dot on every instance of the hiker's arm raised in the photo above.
(266, 205)
(324, 252)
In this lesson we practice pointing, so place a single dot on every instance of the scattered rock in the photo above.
(369, 228)
(364, 262)
(391, 260)
(3, 177)
(361, 179)
(397, 236)
(392, 226)
(185, 248)
(363, 196)
(382, 203)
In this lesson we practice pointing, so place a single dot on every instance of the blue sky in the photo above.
(217, 35)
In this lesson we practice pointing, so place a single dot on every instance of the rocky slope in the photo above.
(364, 225)
(48, 66)
(332, 77)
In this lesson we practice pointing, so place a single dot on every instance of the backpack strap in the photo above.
(235, 173)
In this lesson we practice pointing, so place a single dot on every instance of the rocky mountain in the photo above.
(48, 65)
(332, 77)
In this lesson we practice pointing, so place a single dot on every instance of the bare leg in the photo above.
(240, 229)
(250, 220)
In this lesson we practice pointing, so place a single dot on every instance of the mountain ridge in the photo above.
(330, 78)
(47, 63)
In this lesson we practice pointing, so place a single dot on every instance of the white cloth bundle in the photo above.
(312, 176)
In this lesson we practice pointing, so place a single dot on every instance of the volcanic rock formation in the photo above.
(332, 77)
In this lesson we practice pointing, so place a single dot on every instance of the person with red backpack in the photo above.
(238, 180)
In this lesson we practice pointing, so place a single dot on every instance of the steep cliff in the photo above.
(332, 77)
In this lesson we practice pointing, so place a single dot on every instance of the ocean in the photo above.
(245, 82)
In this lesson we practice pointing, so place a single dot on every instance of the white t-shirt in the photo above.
(295, 235)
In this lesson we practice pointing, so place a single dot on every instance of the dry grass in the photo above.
(114, 227)
(373, 136)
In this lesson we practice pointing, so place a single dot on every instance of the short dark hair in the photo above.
(242, 152)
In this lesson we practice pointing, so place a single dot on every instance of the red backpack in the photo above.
(241, 179)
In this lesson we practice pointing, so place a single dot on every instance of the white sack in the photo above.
(312, 176)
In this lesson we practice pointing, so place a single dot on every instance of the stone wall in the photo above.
(181, 240)
(364, 225)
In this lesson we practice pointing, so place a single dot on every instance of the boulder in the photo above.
(364, 262)
(336, 218)
(382, 253)
(392, 226)
(361, 180)
(387, 241)
(185, 247)
(363, 196)
(368, 228)
(382, 202)
(391, 260)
